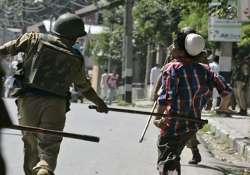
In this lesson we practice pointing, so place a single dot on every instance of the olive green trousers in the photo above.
(241, 94)
(47, 112)
(193, 142)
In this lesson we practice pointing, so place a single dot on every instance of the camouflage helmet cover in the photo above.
(69, 25)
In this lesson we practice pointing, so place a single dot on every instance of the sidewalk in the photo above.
(232, 130)
(235, 131)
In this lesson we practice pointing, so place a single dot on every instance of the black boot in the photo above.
(196, 156)
(243, 112)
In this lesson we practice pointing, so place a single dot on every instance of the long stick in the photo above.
(147, 124)
(154, 114)
(54, 132)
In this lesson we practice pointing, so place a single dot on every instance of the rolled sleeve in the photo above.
(81, 81)
(21, 44)
(83, 84)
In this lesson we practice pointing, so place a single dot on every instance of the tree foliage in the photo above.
(155, 20)
(244, 44)
(194, 13)
(108, 45)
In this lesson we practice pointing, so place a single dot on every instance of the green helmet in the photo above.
(70, 26)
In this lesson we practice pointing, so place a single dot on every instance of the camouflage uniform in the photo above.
(240, 87)
(39, 107)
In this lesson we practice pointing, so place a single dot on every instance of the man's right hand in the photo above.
(102, 107)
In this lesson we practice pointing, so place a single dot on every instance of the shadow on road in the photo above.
(225, 168)
(216, 168)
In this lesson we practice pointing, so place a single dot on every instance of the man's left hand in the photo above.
(160, 123)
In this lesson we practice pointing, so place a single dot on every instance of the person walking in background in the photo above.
(186, 86)
(240, 86)
(104, 85)
(112, 81)
(43, 98)
(215, 67)
(154, 74)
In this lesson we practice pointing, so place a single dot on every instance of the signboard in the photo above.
(244, 10)
(224, 30)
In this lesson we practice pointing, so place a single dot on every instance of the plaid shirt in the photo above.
(186, 88)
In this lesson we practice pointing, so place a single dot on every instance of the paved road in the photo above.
(117, 153)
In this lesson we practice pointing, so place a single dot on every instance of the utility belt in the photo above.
(37, 92)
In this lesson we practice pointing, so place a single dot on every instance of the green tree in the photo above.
(243, 46)
(194, 13)
(108, 45)
(155, 20)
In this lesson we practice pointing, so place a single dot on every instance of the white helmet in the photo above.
(194, 44)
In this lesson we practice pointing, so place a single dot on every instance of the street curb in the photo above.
(236, 141)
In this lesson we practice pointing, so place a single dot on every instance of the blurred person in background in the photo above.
(112, 82)
(241, 84)
(104, 85)
(154, 74)
(215, 67)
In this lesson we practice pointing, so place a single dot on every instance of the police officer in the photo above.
(50, 65)
(240, 86)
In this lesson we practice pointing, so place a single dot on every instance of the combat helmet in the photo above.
(70, 26)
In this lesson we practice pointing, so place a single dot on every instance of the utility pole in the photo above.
(127, 51)
(149, 63)
(226, 60)
(23, 16)
(111, 41)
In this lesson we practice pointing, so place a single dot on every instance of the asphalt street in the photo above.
(117, 153)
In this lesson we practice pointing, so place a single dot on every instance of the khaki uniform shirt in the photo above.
(26, 42)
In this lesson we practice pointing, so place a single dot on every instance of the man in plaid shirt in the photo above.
(186, 87)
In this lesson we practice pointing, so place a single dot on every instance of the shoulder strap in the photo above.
(31, 50)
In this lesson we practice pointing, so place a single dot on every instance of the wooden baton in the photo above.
(147, 124)
(174, 116)
(53, 132)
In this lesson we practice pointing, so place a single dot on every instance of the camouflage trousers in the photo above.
(241, 95)
(193, 142)
(46, 112)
